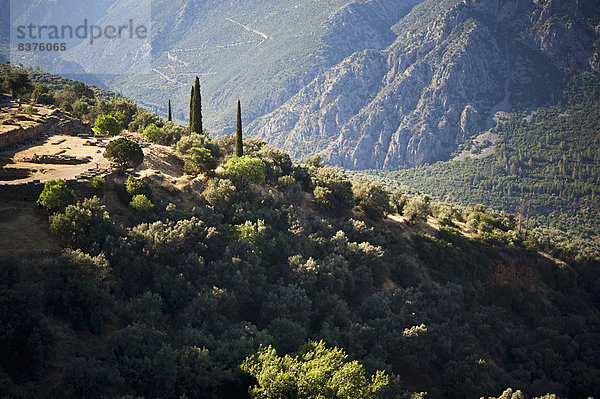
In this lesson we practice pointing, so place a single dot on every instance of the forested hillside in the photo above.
(254, 276)
(545, 164)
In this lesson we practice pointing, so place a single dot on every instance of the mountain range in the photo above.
(369, 84)
(452, 67)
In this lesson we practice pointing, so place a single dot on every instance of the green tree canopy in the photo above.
(316, 372)
(153, 133)
(141, 203)
(108, 125)
(99, 183)
(333, 191)
(417, 208)
(124, 152)
(196, 108)
(245, 170)
(398, 201)
(199, 160)
(17, 84)
(239, 140)
(372, 198)
(56, 195)
(137, 186)
(142, 119)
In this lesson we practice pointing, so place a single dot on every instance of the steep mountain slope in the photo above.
(452, 66)
(260, 52)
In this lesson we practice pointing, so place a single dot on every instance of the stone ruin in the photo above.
(56, 123)
(57, 159)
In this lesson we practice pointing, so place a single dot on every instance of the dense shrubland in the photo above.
(275, 267)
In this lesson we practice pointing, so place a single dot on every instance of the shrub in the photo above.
(80, 108)
(278, 162)
(172, 133)
(26, 337)
(73, 291)
(220, 193)
(137, 186)
(371, 198)
(92, 379)
(145, 308)
(124, 152)
(199, 160)
(56, 195)
(153, 133)
(316, 371)
(142, 119)
(30, 110)
(291, 189)
(189, 141)
(245, 170)
(108, 125)
(333, 191)
(84, 225)
(141, 203)
(417, 208)
(398, 202)
(249, 232)
(98, 184)
(144, 360)
(17, 84)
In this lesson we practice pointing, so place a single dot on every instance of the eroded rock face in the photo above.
(438, 83)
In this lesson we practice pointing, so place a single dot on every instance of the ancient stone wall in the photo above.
(53, 125)
(20, 134)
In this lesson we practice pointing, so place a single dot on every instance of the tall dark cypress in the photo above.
(197, 108)
(169, 118)
(239, 141)
(192, 110)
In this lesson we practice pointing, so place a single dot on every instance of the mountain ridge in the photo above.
(443, 78)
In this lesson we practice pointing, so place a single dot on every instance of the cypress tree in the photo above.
(196, 121)
(239, 142)
(192, 110)
(169, 118)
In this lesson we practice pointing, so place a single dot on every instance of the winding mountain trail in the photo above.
(166, 77)
(249, 29)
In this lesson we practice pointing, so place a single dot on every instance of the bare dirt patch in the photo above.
(19, 160)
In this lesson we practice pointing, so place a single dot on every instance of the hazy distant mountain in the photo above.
(452, 66)
(368, 83)
(262, 52)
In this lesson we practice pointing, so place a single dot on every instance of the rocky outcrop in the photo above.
(451, 67)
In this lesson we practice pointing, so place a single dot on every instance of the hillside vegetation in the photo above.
(268, 259)
(545, 164)
(255, 276)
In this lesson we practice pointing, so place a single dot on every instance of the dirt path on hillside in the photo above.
(249, 29)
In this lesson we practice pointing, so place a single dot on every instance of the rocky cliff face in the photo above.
(451, 67)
